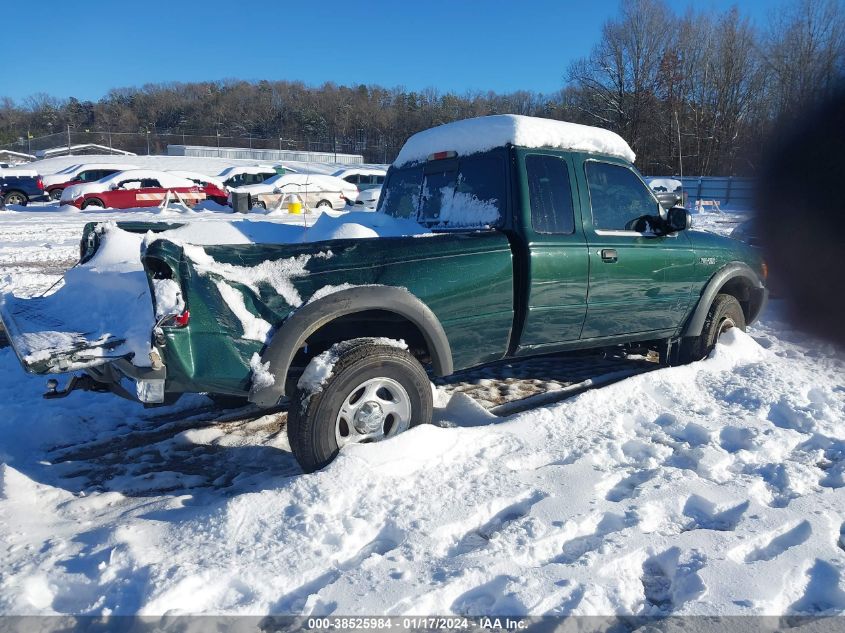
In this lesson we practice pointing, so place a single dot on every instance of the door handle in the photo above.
(609, 255)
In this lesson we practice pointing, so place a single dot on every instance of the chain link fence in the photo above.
(154, 142)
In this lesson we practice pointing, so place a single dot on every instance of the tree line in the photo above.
(700, 93)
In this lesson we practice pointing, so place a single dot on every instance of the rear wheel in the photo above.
(725, 313)
(56, 194)
(324, 205)
(15, 197)
(374, 392)
(258, 204)
(94, 202)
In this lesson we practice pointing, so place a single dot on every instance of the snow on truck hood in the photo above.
(481, 134)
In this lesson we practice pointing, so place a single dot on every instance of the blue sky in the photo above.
(83, 48)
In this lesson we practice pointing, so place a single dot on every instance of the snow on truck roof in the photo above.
(485, 133)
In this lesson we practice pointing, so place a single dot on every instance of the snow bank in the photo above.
(484, 133)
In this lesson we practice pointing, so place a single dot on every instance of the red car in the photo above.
(55, 184)
(138, 188)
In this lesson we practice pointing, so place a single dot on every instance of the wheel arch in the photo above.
(736, 279)
(328, 319)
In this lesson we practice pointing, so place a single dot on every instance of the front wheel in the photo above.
(325, 205)
(725, 313)
(56, 194)
(374, 392)
(15, 197)
(93, 202)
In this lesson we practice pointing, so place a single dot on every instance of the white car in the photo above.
(316, 191)
(163, 178)
(54, 184)
(367, 200)
(72, 172)
(197, 177)
(243, 175)
(362, 177)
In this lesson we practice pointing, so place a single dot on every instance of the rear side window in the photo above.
(617, 196)
(401, 198)
(550, 194)
(466, 192)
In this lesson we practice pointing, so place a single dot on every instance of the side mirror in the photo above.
(113, 186)
(677, 219)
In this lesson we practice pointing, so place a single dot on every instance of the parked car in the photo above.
(55, 184)
(21, 187)
(540, 237)
(241, 176)
(214, 188)
(669, 192)
(132, 189)
(316, 191)
(362, 177)
(366, 200)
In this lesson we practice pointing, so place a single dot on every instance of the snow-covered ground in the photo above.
(716, 488)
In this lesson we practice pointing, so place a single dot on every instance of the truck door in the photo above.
(556, 251)
(638, 280)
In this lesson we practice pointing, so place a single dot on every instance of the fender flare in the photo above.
(293, 333)
(734, 270)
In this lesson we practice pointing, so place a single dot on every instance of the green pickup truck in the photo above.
(496, 237)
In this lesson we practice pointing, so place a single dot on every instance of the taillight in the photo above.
(442, 155)
(40, 184)
(182, 320)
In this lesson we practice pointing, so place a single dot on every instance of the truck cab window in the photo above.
(550, 194)
(617, 196)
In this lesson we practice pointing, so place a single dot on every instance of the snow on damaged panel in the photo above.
(102, 311)
(250, 292)
(471, 136)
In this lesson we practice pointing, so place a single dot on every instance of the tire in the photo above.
(93, 202)
(325, 205)
(725, 313)
(56, 194)
(260, 204)
(18, 198)
(367, 379)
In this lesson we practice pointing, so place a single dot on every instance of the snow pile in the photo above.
(480, 134)
(168, 298)
(361, 224)
(320, 368)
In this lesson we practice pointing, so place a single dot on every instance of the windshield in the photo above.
(460, 192)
